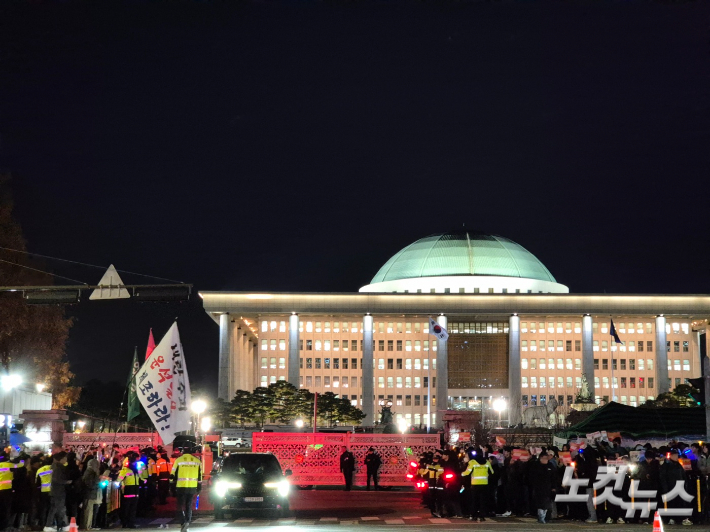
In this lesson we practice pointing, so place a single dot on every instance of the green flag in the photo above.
(134, 405)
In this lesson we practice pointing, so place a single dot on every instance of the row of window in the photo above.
(328, 381)
(329, 363)
(472, 327)
(551, 363)
(603, 328)
(418, 382)
(352, 345)
(406, 400)
(563, 382)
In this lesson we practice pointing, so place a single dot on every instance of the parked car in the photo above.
(250, 480)
(231, 441)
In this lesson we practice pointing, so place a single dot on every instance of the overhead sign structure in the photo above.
(110, 286)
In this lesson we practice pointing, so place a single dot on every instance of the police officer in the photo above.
(6, 476)
(434, 470)
(163, 468)
(44, 481)
(479, 468)
(187, 472)
(129, 478)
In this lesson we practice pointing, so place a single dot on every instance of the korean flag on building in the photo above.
(437, 330)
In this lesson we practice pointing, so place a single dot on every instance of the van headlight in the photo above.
(222, 486)
(283, 486)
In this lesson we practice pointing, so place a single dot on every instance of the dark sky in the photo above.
(298, 145)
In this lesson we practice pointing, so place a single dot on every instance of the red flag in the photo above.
(151, 345)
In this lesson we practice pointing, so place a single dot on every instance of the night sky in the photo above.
(296, 146)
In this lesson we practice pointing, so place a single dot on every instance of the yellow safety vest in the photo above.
(434, 471)
(6, 474)
(480, 472)
(44, 474)
(187, 470)
(127, 477)
(152, 469)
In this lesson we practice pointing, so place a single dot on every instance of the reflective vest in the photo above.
(480, 472)
(44, 474)
(187, 470)
(162, 466)
(433, 472)
(6, 474)
(129, 481)
(152, 467)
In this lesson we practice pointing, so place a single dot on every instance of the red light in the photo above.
(449, 476)
(410, 476)
(412, 464)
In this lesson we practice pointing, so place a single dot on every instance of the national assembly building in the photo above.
(514, 333)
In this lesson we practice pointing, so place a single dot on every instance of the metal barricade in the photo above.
(314, 459)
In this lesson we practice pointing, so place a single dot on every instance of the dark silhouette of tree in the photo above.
(32, 337)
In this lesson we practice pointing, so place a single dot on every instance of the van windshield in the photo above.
(251, 464)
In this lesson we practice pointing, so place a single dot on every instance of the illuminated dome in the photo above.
(464, 262)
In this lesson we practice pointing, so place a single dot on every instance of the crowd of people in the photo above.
(483, 481)
(44, 492)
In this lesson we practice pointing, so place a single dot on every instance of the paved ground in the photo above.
(329, 510)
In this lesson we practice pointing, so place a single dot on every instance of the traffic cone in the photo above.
(72, 525)
(657, 523)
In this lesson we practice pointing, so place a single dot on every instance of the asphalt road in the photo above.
(330, 510)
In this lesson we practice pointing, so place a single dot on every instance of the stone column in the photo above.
(588, 353)
(515, 414)
(225, 356)
(293, 351)
(662, 381)
(368, 372)
(442, 376)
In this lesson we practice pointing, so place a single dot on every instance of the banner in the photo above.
(164, 387)
(134, 406)
(520, 454)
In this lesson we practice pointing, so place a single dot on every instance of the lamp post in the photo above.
(499, 405)
(299, 423)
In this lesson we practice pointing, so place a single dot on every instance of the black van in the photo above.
(250, 480)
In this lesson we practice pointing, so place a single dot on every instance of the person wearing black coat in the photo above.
(372, 464)
(543, 479)
(669, 473)
(347, 466)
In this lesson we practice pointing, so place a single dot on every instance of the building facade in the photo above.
(514, 333)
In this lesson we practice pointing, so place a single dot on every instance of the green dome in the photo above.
(463, 253)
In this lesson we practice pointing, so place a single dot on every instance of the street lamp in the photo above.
(40, 387)
(198, 406)
(299, 423)
(81, 424)
(402, 424)
(9, 382)
(499, 405)
(206, 424)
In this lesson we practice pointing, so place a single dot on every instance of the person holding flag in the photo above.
(616, 340)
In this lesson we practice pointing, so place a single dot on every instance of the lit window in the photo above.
(326, 345)
(569, 382)
(272, 379)
(336, 382)
(524, 363)
(282, 345)
(345, 382)
(264, 381)
(578, 363)
(282, 363)
(560, 364)
(417, 382)
(399, 382)
(417, 363)
(568, 363)
(533, 382)
(525, 382)
(524, 346)
(533, 345)
(684, 328)
(649, 364)
(417, 345)
(559, 345)
(309, 326)
(408, 382)
(632, 346)
(380, 382)
(543, 363)
(595, 345)
(577, 327)
(319, 345)
(596, 382)
(568, 327)
(264, 345)
(408, 363)
(264, 326)
(326, 327)
(408, 344)
(326, 381)
(524, 326)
